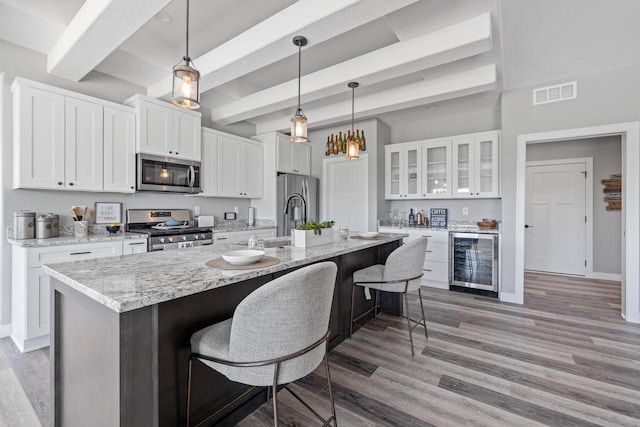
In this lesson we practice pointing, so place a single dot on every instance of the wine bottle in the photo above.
(412, 218)
(340, 143)
(363, 143)
(344, 144)
(348, 136)
(326, 149)
(331, 143)
(358, 140)
(335, 146)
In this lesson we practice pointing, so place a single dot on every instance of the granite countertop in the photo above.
(228, 226)
(73, 240)
(129, 282)
(457, 228)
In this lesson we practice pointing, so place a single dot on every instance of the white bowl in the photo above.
(368, 234)
(243, 256)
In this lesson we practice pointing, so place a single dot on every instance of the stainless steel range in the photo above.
(167, 228)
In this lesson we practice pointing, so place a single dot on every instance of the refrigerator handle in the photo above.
(305, 195)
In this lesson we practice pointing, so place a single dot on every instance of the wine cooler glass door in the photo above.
(474, 260)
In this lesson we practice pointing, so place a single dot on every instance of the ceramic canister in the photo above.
(55, 224)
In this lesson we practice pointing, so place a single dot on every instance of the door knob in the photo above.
(528, 226)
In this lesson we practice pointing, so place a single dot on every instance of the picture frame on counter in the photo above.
(108, 212)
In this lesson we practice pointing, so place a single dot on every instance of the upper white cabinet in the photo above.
(403, 171)
(119, 150)
(165, 130)
(457, 167)
(436, 169)
(69, 141)
(232, 166)
(293, 157)
(476, 165)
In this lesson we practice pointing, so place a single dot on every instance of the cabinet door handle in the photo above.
(424, 269)
(71, 183)
(132, 187)
(139, 243)
(221, 238)
(170, 152)
(59, 183)
(177, 152)
(80, 253)
(429, 251)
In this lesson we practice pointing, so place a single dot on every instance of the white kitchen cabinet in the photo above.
(403, 171)
(476, 165)
(38, 134)
(436, 261)
(293, 157)
(240, 167)
(134, 246)
(119, 150)
(68, 141)
(243, 236)
(165, 130)
(221, 237)
(30, 286)
(209, 165)
(436, 169)
(84, 145)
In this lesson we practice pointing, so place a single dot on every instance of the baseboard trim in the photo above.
(5, 330)
(508, 297)
(607, 276)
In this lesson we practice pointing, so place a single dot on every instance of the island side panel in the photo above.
(101, 363)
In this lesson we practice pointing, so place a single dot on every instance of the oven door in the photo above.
(473, 260)
(166, 174)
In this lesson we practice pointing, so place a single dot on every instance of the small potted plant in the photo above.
(311, 234)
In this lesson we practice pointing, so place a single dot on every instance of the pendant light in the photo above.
(186, 80)
(299, 120)
(353, 148)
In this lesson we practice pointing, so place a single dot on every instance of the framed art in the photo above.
(108, 212)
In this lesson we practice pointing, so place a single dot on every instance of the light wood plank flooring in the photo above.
(565, 358)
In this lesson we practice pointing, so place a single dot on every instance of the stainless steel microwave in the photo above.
(167, 174)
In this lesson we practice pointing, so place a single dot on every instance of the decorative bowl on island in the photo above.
(113, 228)
(368, 234)
(243, 256)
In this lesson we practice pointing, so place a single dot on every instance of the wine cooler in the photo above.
(473, 261)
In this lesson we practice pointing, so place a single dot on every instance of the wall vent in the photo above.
(555, 93)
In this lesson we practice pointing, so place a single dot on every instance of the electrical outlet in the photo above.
(196, 210)
(465, 211)
(235, 209)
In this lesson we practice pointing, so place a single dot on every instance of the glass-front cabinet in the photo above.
(403, 171)
(475, 165)
(436, 169)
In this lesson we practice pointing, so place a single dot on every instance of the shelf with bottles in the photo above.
(337, 143)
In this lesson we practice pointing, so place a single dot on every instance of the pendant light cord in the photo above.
(187, 57)
(353, 107)
(299, 71)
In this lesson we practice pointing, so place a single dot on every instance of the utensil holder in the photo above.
(81, 228)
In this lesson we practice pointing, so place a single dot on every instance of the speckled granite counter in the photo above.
(456, 228)
(141, 280)
(230, 226)
(73, 240)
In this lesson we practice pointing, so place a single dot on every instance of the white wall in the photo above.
(606, 97)
(17, 61)
(606, 154)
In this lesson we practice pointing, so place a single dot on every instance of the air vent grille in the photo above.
(555, 93)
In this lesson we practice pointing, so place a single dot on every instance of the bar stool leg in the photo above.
(424, 319)
(406, 302)
(326, 367)
(375, 312)
(353, 294)
(275, 394)
(189, 392)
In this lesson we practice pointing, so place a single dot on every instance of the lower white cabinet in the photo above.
(436, 260)
(30, 306)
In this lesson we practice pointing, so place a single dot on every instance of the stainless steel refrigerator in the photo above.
(301, 192)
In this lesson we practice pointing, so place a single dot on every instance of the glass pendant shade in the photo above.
(299, 127)
(186, 79)
(353, 148)
(186, 85)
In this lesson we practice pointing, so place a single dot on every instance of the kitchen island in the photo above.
(121, 328)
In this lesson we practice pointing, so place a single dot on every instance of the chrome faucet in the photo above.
(304, 205)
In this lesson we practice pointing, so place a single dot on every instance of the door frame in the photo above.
(630, 133)
(588, 203)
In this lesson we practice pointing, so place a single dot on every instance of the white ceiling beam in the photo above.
(450, 44)
(95, 32)
(271, 40)
(426, 92)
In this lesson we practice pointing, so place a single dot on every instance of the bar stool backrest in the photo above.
(407, 261)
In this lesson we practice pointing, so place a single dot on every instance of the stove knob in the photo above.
(170, 239)
(184, 237)
(196, 236)
(203, 237)
(161, 239)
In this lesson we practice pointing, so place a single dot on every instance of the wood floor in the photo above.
(565, 358)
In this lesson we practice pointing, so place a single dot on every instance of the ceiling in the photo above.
(405, 53)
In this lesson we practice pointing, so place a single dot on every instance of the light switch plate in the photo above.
(465, 211)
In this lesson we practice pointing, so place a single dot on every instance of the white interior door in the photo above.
(555, 212)
(345, 193)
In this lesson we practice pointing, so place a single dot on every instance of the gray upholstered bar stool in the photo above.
(401, 273)
(277, 335)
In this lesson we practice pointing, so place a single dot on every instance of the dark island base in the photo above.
(130, 369)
